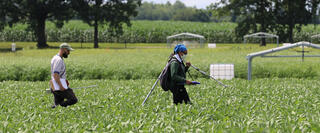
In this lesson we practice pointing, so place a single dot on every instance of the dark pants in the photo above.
(60, 96)
(180, 94)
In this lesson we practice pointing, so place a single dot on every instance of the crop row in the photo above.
(128, 64)
(140, 32)
(263, 105)
(80, 72)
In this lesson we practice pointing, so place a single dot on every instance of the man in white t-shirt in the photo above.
(58, 80)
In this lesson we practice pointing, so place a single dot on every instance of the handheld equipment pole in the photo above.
(154, 85)
(204, 73)
(151, 90)
(49, 90)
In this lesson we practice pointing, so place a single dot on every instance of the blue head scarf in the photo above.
(180, 48)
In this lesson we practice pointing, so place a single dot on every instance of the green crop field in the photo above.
(141, 32)
(282, 97)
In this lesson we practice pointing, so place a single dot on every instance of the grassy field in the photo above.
(110, 63)
(282, 97)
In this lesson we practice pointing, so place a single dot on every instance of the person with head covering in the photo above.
(59, 83)
(178, 75)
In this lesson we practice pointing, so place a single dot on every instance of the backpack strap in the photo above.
(175, 59)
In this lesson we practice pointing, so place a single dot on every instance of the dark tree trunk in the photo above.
(263, 25)
(263, 42)
(40, 33)
(96, 45)
(290, 32)
(292, 23)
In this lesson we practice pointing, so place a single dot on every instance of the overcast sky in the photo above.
(198, 3)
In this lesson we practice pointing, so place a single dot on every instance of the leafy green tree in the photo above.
(5, 8)
(114, 13)
(253, 15)
(314, 11)
(218, 15)
(281, 16)
(202, 15)
(290, 15)
(179, 5)
(183, 14)
(35, 13)
(168, 11)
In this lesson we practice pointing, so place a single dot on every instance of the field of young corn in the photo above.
(282, 97)
(141, 32)
(261, 105)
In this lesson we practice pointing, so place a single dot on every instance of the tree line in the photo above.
(276, 16)
(280, 17)
(113, 13)
(177, 11)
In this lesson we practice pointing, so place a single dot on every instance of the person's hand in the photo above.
(188, 64)
(188, 82)
(62, 88)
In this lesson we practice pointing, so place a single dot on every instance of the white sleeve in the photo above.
(57, 66)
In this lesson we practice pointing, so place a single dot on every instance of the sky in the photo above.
(191, 3)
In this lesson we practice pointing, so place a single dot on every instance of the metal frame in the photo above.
(263, 53)
(261, 35)
(186, 35)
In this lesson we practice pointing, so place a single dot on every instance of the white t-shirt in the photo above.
(58, 66)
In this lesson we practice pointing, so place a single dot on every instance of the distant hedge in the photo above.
(140, 32)
(42, 73)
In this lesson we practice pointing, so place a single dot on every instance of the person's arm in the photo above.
(174, 74)
(57, 79)
(188, 64)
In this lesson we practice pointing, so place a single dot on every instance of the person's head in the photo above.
(65, 50)
(181, 50)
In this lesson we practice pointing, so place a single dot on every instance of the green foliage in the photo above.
(253, 16)
(132, 64)
(278, 16)
(142, 32)
(176, 11)
(35, 13)
(288, 19)
(262, 105)
(139, 32)
(265, 104)
(114, 13)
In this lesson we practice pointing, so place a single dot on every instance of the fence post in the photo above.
(249, 68)
(13, 47)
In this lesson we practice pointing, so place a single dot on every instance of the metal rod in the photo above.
(291, 56)
(204, 73)
(303, 53)
(144, 101)
(49, 90)
(249, 68)
(190, 75)
(154, 85)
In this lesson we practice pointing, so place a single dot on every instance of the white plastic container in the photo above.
(222, 71)
(13, 47)
(212, 45)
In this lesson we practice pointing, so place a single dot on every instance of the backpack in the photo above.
(165, 77)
